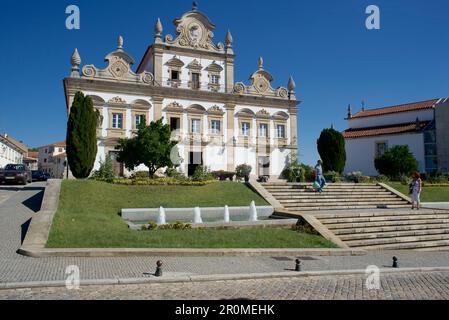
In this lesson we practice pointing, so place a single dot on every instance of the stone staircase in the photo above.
(299, 197)
(423, 230)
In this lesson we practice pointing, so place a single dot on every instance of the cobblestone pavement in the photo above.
(410, 286)
(21, 206)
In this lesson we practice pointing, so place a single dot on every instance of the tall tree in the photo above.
(331, 147)
(153, 147)
(396, 162)
(82, 136)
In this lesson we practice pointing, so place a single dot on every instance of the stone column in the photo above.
(294, 131)
(229, 74)
(158, 107)
(230, 109)
(157, 64)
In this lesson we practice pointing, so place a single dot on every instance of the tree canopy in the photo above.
(396, 161)
(331, 147)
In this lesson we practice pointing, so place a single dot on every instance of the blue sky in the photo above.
(325, 45)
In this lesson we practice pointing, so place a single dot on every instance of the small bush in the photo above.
(202, 173)
(365, 179)
(140, 175)
(223, 175)
(396, 162)
(382, 179)
(294, 173)
(105, 172)
(161, 182)
(405, 180)
(332, 176)
(243, 171)
(354, 176)
(309, 173)
(170, 226)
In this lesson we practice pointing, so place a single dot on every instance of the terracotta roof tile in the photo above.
(428, 104)
(385, 130)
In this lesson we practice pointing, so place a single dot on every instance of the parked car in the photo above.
(16, 173)
(40, 175)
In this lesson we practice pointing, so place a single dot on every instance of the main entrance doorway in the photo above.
(264, 166)
(195, 160)
(118, 167)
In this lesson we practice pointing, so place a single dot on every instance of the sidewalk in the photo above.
(436, 205)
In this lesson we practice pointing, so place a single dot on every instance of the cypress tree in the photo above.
(82, 136)
(331, 147)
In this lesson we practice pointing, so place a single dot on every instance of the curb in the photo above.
(39, 252)
(211, 278)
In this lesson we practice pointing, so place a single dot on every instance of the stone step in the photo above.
(343, 204)
(437, 248)
(332, 221)
(368, 230)
(345, 185)
(413, 245)
(382, 213)
(325, 188)
(396, 240)
(385, 224)
(330, 194)
(306, 209)
(382, 235)
(324, 196)
(326, 200)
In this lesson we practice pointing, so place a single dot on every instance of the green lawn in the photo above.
(88, 217)
(429, 194)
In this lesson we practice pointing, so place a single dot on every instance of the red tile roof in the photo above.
(33, 154)
(423, 105)
(385, 130)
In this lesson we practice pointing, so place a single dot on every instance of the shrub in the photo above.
(140, 175)
(223, 175)
(243, 171)
(405, 180)
(365, 179)
(396, 162)
(332, 176)
(161, 182)
(354, 176)
(294, 172)
(202, 173)
(309, 173)
(106, 171)
(331, 147)
(382, 179)
(174, 173)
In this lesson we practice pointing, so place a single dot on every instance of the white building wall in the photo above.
(391, 119)
(360, 152)
(9, 155)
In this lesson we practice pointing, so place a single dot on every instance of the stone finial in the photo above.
(349, 112)
(76, 62)
(418, 124)
(291, 84)
(158, 28)
(363, 105)
(229, 39)
(260, 63)
(120, 43)
(195, 6)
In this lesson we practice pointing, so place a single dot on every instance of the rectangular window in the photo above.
(175, 124)
(381, 148)
(138, 120)
(174, 75)
(117, 121)
(280, 131)
(246, 127)
(196, 126)
(215, 126)
(215, 79)
(195, 80)
(263, 130)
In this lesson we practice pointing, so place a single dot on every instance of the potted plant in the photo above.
(243, 171)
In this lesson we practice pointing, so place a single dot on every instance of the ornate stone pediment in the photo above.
(214, 68)
(263, 114)
(175, 107)
(194, 30)
(118, 69)
(215, 110)
(195, 66)
(117, 100)
(175, 63)
(261, 85)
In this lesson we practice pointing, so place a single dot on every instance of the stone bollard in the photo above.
(298, 266)
(158, 269)
(395, 262)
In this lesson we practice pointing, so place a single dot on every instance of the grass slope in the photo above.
(429, 194)
(88, 218)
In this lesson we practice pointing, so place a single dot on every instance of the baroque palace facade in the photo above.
(188, 81)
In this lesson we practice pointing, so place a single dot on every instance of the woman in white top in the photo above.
(416, 188)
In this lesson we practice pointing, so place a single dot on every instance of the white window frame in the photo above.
(117, 118)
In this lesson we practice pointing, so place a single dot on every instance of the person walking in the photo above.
(319, 176)
(415, 190)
